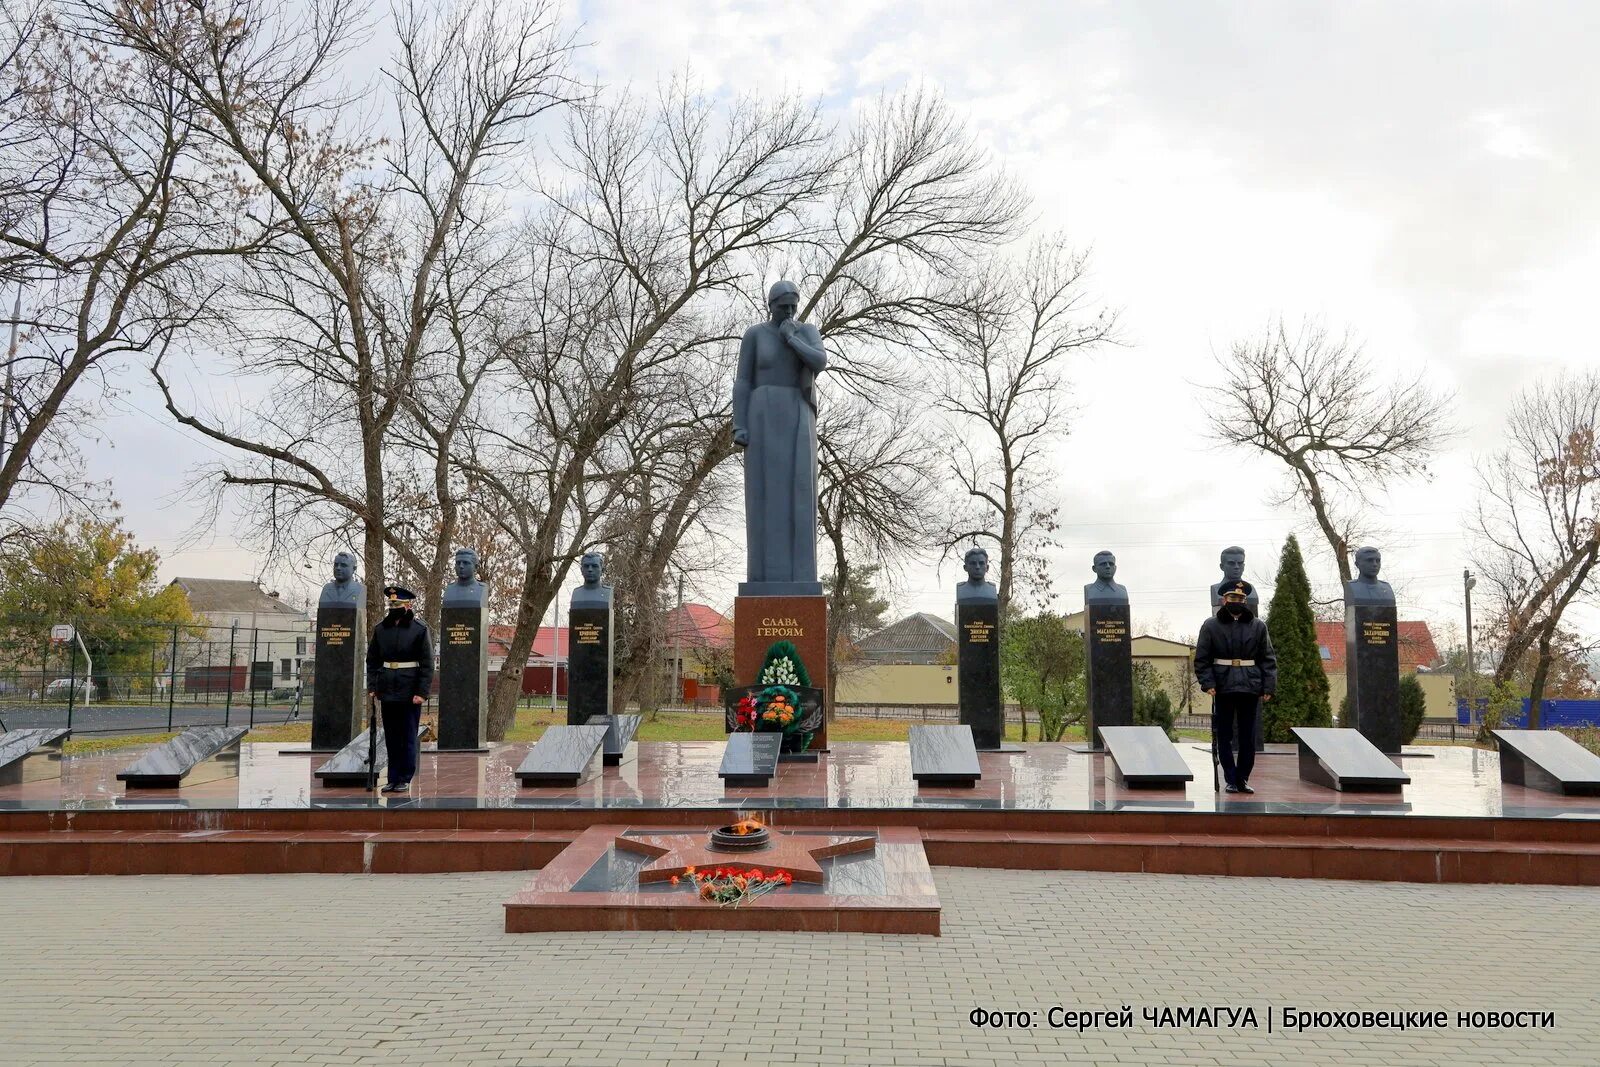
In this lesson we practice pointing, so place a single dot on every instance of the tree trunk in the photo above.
(537, 592)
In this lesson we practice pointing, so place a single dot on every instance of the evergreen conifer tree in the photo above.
(1302, 697)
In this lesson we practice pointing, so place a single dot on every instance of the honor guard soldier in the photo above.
(400, 677)
(1235, 664)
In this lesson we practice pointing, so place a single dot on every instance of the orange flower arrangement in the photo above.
(732, 886)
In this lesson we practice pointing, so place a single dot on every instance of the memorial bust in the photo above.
(344, 589)
(1231, 562)
(591, 594)
(976, 590)
(466, 590)
(1103, 590)
(1366, 588)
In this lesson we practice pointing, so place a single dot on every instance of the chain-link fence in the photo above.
(100, 674)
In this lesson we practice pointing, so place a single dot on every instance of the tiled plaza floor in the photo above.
(416, 969)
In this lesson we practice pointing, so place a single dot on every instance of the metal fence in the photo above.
(115, 675)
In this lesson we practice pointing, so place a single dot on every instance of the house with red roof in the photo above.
(1418, 655)
(695, 634)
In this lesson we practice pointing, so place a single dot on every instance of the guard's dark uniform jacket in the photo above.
(1224, 640)
(400, 661)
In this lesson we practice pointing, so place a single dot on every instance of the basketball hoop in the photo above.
(61, 633)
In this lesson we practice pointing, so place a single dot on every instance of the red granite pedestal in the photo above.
(894, 894)
(758, 621)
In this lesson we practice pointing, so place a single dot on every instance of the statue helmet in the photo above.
(782, 289)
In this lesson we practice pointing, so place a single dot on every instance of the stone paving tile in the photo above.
(348, 969)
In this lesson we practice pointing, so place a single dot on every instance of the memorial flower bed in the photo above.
(729, 887)
(781, 701)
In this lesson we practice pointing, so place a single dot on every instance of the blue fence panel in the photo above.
(1552, 713)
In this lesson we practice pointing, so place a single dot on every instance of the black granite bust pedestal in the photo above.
(1109, 647)
(589, 665)
(978, 672)
(1372, 671)
(463, 678)
(337, 695)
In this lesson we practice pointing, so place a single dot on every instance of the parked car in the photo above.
(83, 689)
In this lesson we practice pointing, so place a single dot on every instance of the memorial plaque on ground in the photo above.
(943, 755)
(565, 755)
(1345, 760)
(750, 760)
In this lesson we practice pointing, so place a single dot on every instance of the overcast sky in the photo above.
(1421, 173)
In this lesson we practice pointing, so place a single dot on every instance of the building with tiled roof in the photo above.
(919, 638)
(1417, 650)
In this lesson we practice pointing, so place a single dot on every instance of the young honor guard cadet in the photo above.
(1235, 664)
(400, 675)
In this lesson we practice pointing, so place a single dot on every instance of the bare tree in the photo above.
(1002, 382)
(660, 215)
(342, 315)
(1316, 403)
(876, 496)
(1538, 523)
(107, 213)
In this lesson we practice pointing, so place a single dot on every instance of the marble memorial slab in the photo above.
(1347, 761)
(565, 755)
(621, 730)
(1143, 757)
(1549, 761)
(750, 759)
(348, 766)
(31, 755)
(944, 755)
(199, 754)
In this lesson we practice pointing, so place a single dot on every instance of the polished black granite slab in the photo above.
(1143, 757)
(338, 688)
(1372, 672)
(944, 755)
(1548, 761)
(349, 765)
(31, 755)
(621, 730)
(750, 760)
(978, 673)
(1108, 646)
(565, 755)
(199, 754)
(1347, 761)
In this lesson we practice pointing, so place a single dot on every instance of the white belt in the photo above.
(396, 666)
(1234, 663)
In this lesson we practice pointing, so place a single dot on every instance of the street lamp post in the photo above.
(1467, 582)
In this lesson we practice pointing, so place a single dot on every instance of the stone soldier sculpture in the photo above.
(775, 422)
(463, 658)
(1231, 563)
(337, 685)
(1372, 653)
(1108, 644)
(977, 589)
(978, 653)
(400, 677)
(591, 593)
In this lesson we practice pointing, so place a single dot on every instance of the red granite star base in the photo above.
(674, 854)
(895, 896)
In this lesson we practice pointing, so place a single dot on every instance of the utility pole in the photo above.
(1467, 582)
(11, 374)
(677, 647)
